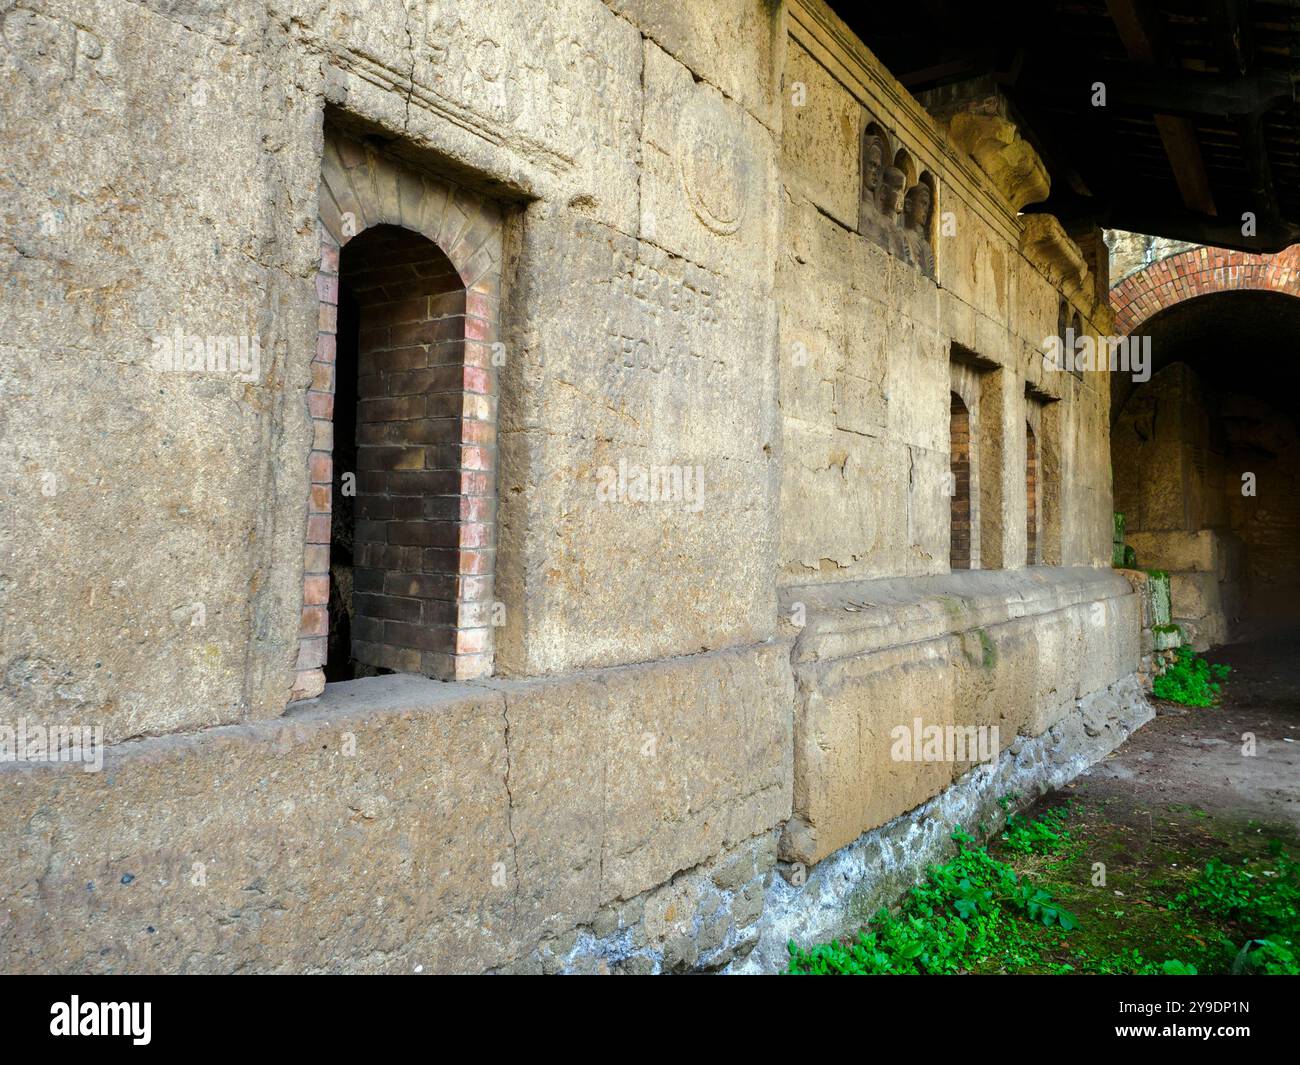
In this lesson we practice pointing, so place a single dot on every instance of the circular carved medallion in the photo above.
(715, 167)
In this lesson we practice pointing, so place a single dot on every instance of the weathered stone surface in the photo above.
(1130, 252)
(839, 895)
(269, 847)
(395, 822)
(1169, 475)
(708, 182)
(734, 45)
(629, 359)
(683, 290)
(845, 778)
(1047, 244)
(1008, 159)
(702, 919)
(550, 104)
(139, 543)
(628, 774)
(1194, 595)
(866, 342)
(1204, 551)
(820, 128)
(1005, 651)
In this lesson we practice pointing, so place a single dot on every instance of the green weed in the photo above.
(965, 911)
(1045, 834)
(1190, 680)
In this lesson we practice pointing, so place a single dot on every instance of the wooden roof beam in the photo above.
(1236, 49)
(1163, 91)
(1140, 30)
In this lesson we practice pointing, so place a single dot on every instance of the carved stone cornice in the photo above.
(1046, 244)
(1006, 157)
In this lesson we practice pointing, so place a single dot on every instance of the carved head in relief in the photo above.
(873, 158)
(916, 207)
(890, 191)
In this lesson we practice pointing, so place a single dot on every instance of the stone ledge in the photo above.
(394, 822)
(1009, 658)
(856, 617)
(841, 892)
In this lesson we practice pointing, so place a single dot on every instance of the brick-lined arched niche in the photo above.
(959, 466)
(1043, 416)
(399, 560)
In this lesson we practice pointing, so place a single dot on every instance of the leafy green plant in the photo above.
(1190, 680)
(1263, 902)
(1254, 896)
(1045, 834)
(1267, 957)
(965, 908)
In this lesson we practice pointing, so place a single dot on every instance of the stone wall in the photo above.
(1009, 655)
(1133, 252)
(1161, 637)
(1266, 525)
(681, 462)
(395, 822)
(867, 339)
(1172, 484)
(1245, 536)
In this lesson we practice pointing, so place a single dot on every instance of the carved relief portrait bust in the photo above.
(895, 205)
(873, 161)
(917, 206)
(882, 225)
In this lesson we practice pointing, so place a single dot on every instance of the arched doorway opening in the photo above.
(1205, 455)
(959, 472)
(395, 549)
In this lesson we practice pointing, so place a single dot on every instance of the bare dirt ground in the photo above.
(1176, 794)
(1186, 773)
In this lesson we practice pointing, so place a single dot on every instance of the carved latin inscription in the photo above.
(669, 321)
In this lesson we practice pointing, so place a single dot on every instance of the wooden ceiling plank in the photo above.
(1140, 29)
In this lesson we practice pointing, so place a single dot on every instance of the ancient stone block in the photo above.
(708, 183)
(473, 819)
(636, 428)
(733, 44)
(820, 132)
(269, 846)
(976, 651)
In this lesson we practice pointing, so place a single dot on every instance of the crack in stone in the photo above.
(510, 806)
(410, 78)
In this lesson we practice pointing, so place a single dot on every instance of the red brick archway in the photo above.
(1199, 272)
(429, 586)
